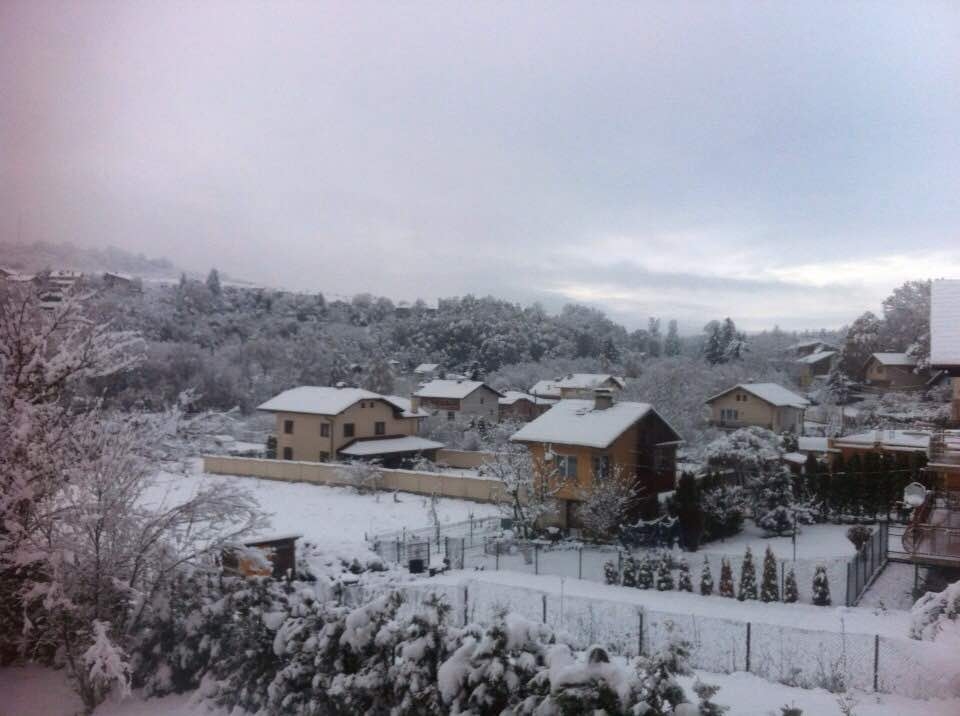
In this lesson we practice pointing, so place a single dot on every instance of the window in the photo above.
(324, 430)
(601, 466)
(288, 453)
(451, 415)
(481, 401)
(324, 456)
(729, 414)
(567, 466)
(379, 428)
(288, 427)
(348, 430)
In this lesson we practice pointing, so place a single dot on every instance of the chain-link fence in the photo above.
(791, 655)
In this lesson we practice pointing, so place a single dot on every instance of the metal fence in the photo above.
(473, 531)
(807, 658)
(867, 563)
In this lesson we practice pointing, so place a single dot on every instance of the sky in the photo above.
(780, 163)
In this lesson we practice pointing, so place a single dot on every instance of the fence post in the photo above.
(544, 598)
(640, 633)
(876, 661)
(619, 562)
(536, 559)
(466, 602)
(497, 552)
(748, 647)
(580, 562)
(463, 554)
(398, 551)
(847, 599)
(782, 566)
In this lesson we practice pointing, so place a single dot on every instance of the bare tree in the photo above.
(609, 502)
(529, 486)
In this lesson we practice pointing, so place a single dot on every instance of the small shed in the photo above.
(274, 556)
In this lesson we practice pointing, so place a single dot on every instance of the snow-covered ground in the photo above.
(35, 690)
(334, 516)
(813, 542)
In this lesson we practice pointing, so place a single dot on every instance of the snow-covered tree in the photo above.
(379, 377)
(645, 572)
(684, 583)
(746, 452)
(821, 587)
(706, 578)
(689, 511)
(610, 573)
(660, 692)
(630, 571)
(104, 666)
(937, 613)
(769, 583)
(748, 578)
(664, 575)
(790, 592)
(529, 486)
(213, 282)
(671, 344)
(608, 502)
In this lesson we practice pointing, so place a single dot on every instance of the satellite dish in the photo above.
(914, 494)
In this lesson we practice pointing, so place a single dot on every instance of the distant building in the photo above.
(894, 371)
(319, 424)
(459, 398)
(945, 336)
(808, 368)
(576, 385)
(765, 405)
(122, 281)
(589, 440)
(428, 371)
(805, 348)
(515, 405)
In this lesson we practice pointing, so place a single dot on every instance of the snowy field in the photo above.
(35, 691)
(334, 516)
(813, 542)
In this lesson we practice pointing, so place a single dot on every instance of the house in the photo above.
(766, 405)
(320, 424)
(813, 365)
(894, 371)
(805, 348)
(590, 440)
(459, 398)
(576, 385)
(428, 371)
(945, 337)
(881, 442)
(819, 447)
(515, 405)
(123, 282)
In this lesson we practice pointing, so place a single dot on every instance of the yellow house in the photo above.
(894, 371)
(318, 424)
(589, 440)
(765, 405)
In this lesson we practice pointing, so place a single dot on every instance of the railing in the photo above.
(867, 563)
(934, 530)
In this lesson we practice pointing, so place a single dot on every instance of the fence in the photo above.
(806, 658)
(867, 562)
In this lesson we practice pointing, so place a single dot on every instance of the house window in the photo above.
(288, 453)
(324, 430)
(567, 466)
(348, 430)
(379, 428)
(601, 466)
(288, 427)
(451, 415)
(729, 414)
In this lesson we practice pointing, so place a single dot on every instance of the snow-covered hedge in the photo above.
(936, 615)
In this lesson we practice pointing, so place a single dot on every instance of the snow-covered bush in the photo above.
(664, 575)
(936, 614)
(706, 578)
(684, 583)
(607, 503)
(769, 584)
(748, 578)
(645, 572)
(630, 571)
(790, 592)
(723, 508)
(821, 587)
(726, 588)
(859, 535)
(610, 573)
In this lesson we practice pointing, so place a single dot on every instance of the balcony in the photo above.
(933, 535)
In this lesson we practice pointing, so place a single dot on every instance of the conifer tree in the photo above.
(837, 475)
(684, 584)
(769, 586)
(630, 572)
(726, 578)
(706, 578)
(645, 573)
(748, 578)
(689, 512)
(790, 593)
(418, 655)
(821, 587)
(664, 575)
(610, 575)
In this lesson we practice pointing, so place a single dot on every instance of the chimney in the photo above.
(414, 403)
(602, 398)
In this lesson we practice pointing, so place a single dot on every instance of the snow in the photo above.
(334, 516)
(424, 368)
(577, 381)
(812, 444)
(324, 400)
(769, 392)
(576, 422)
(945, 323)
(409, 443)
(451, 389)
(823, 541)
(816, 357)
(405, 405)
(512, 396)
(888, 439)
(797, 458)
(895, 359)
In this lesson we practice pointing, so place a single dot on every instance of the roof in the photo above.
(816, 357)
(426, 368)
(405, 406)
(887, 439)
(512, 396)
(895, 359)
(324, 400)
(797, 458)
(576, 422)
(812, 444)
(945, 323)
(580, 381)
(454, 389)
(805, 344)
(771, 393)
(386, 446)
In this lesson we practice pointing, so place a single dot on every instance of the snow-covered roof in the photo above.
(945, 323)
(805, 344)
(813, 444)
(386, 446)
(816, 357)
(453, 389)
(580, 381)
(887, 439)
(894, 359)
(512, 396)
(324, 400)
(405, 405)
(426, 368)
(769, 392)
(797, 458)
(576, 422)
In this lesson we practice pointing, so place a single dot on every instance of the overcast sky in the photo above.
(779, 162)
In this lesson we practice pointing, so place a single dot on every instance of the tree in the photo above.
(935, 613)
(863, 340)
(906, 321)
(529, 486)
(630, 569)
(213, 282)
(684, 583)
(671, 345)
(748, 578)
(769, 585)
(664, 575)
(607, 502)
(726, 588)
(713, 348)
(379, 377)
(706, 578)
(821, 587)
(610, 573)
(790, 592)
(689, 512)
(645, 573)
(653, 337)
